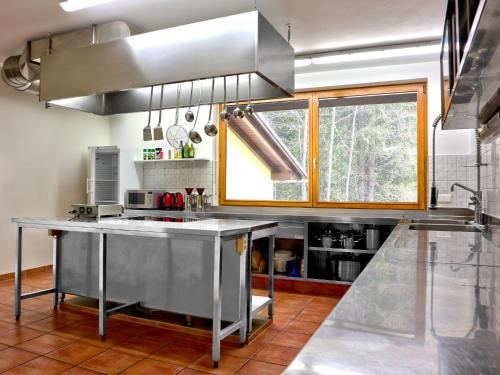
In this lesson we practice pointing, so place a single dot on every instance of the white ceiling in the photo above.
(317, 25)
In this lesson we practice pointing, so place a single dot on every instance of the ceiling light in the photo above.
(73, 5)
(299, 63)
(376, 54)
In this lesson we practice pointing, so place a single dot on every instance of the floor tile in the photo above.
(48, 324)
(181, 355)
(261, 368)
(190, 371)
(6, 327)
(228, 364)
(280, 355)
(141, 346)
(76, 331)
(246, 351)
(44, 344)
(299, 326)
(27, 316)
(36, 304)
(159, 334)
(40, 366)
(292, 340)
(267, 335)
(280, 323)
(286, 312)
(18, 335)
(112, 339)
(151, 367)
(6, 299)
(80, 371)
(75, 353)
(12, 357)
(111, 362)
(308, 316)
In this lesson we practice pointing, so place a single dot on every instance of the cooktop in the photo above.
(167, 219)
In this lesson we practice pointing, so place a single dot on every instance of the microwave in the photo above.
(143, 199)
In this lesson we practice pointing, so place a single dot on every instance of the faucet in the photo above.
(475, 201)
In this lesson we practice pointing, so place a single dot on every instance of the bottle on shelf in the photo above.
(179, 150)
(185, 151)
(191, 151)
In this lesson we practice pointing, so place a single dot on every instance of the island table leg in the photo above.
(270, 307)
(102, 285)
(17, 281)
(217, 303)
(55, 269)
(249, 283)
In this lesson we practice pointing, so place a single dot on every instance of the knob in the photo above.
(81, 210)
(89, 210)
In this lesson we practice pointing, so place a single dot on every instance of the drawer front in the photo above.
(291, 230)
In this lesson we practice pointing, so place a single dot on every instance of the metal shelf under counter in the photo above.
(340, 250)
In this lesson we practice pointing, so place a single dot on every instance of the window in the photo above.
(267, 153)
(362, 147)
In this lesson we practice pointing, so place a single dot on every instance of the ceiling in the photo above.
(317, 25)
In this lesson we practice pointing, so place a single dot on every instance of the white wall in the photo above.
(448, 142)
(42, 167)
(126, 133)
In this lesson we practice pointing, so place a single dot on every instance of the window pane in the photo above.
(368, 149)
(267, 153)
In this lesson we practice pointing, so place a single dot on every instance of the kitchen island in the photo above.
(195, 267)
(427, 303)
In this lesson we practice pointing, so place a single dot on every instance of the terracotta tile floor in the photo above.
(53, 342)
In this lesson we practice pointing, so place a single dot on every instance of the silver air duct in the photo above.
(22, 72)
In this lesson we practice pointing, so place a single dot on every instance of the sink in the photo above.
(446, 227)
(460, 220)
(450, 211)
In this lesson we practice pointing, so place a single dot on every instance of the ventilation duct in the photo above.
(22, 72)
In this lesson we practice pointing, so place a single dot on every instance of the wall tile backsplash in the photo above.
(176, 176)
(450, 169)
(490, 177)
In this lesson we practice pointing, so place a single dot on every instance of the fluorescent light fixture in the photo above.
(299, 63)
(73, 5)
(376, 54)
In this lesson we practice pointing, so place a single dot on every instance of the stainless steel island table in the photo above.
(212, 231)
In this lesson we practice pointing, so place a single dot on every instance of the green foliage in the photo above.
(367, 153)
(374, 156)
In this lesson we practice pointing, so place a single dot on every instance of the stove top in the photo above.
(166, 219)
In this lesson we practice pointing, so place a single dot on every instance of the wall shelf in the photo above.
(170, 160)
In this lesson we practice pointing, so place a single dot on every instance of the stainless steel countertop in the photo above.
(209, 227)
(290, 214)
(427, 303)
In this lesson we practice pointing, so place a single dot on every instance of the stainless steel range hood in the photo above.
(113, 77)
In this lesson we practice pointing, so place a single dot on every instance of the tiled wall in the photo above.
(176, 176)
(490, 177)
(450, 169)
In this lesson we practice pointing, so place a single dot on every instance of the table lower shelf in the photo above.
(259, 303)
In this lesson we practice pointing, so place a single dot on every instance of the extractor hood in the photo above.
(113, 77)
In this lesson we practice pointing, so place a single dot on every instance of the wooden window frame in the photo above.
(420, 88)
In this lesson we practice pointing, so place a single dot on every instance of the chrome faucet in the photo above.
(475, 201)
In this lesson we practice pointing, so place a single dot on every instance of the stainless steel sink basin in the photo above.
(446, 227)
(451, 211)
(444, 221)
